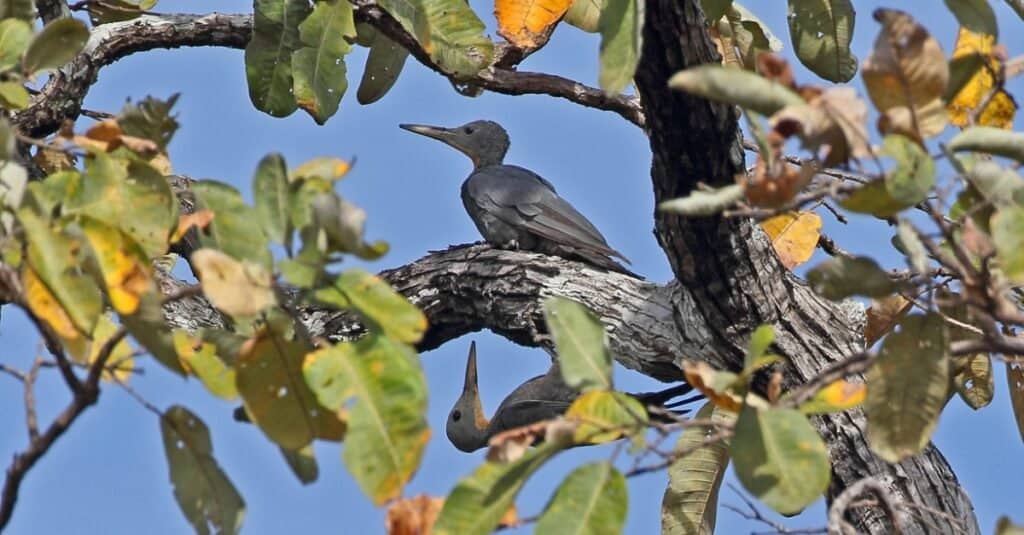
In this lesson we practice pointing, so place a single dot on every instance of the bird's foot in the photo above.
(511, 245)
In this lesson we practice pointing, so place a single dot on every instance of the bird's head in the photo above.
(467, 426)
(485, 142)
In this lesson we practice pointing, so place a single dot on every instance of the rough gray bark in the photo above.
(728, 279)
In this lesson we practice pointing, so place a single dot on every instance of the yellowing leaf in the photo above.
(119, 363)
(605, 416)
(199, 220)
(906, 76)
(794, 236)
(200, 359)
(322, 168)
(45, 306)
(838, 396)
(527, 23)
(413, 516)
(127, 274)
(716, 385)
(1001, 108)
(236, 288)
(378, 302)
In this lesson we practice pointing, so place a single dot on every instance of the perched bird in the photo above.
(514, 208)
(542, 398)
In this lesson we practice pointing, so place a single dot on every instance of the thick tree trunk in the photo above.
(737, 282)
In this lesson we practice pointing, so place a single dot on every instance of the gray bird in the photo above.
(542, 398)
(514, 208)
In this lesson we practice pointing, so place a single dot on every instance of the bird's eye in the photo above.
(456, 415)
(468, 130)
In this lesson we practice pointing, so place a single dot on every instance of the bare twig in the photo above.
(753, 513)
(31, 420)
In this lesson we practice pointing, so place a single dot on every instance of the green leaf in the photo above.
(268, 56)
(873, 198)
(750, 35)
(841, 277)
(319, 67)
(130, 196)
(270, 187)
(387, 426)
(376, 301)
(205, 494)
(201, 360)
(760, 341)
(585, 14)
(57, 260)
(448, 30)
(690, 503)
(478, 501)
(58, 43)
(13, 96)
(383, 65)
(580, 340)
(232, 230)
(991, 140)
(973, 381)
(914, 175)
(19, 9)
(996, 184)
(604, 416)
(704, 203)
(303, 464)
(735, 86)
(780, 458)
(14, 37)
(1008, 237)
(13, 182)
(270, 380)
(151, 119)
(714, 9)
(148, 326)
(1005, 526)
(621, 26)
(975, 15)
(591, 501)
(118, 10)
(961, 70)
(907, 387)
(821, 31)
(913, 247)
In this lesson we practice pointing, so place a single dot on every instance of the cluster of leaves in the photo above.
(89, 247)
(965, 255)
(26, 54)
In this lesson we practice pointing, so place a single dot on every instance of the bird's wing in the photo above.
(523, 412)
(523, 199)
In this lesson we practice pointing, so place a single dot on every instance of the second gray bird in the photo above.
(514, 208)
(542, 398)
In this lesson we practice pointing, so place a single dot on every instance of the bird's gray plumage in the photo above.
(542, 398)
(513, 207)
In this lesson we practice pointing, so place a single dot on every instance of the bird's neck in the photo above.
(488, 159)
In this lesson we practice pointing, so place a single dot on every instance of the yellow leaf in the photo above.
(106, 131)
(794, 236)
(126, 272)
(716, 385)
(906, 76)
(322, 168)
(120, 362)
(1001, 109)
(236, 288)
(200, 359)
(200, 220)
(838, 396)
(45, 306)
(528, 23)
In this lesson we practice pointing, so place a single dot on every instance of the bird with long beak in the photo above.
(542, 398)
(513, 207)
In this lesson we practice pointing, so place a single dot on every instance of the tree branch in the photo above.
(62, 97)
(50, 10)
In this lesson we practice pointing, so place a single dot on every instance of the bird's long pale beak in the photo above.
(470, 389)
(439, 133)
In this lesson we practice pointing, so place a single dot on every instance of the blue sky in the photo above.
(109, 475)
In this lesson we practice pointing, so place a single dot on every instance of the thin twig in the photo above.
(31, 420)
(753, 513)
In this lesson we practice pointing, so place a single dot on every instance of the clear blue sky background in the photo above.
(109, 475)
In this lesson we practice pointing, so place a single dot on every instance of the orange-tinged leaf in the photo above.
(774, 185)
(127, 274)
(794, 236)
(883, 315)
(527, 23)
(413, 516)
(906, 76)
(45, 306)
(714, 384)
(106, 131)
(199, 220)
(838, 396)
